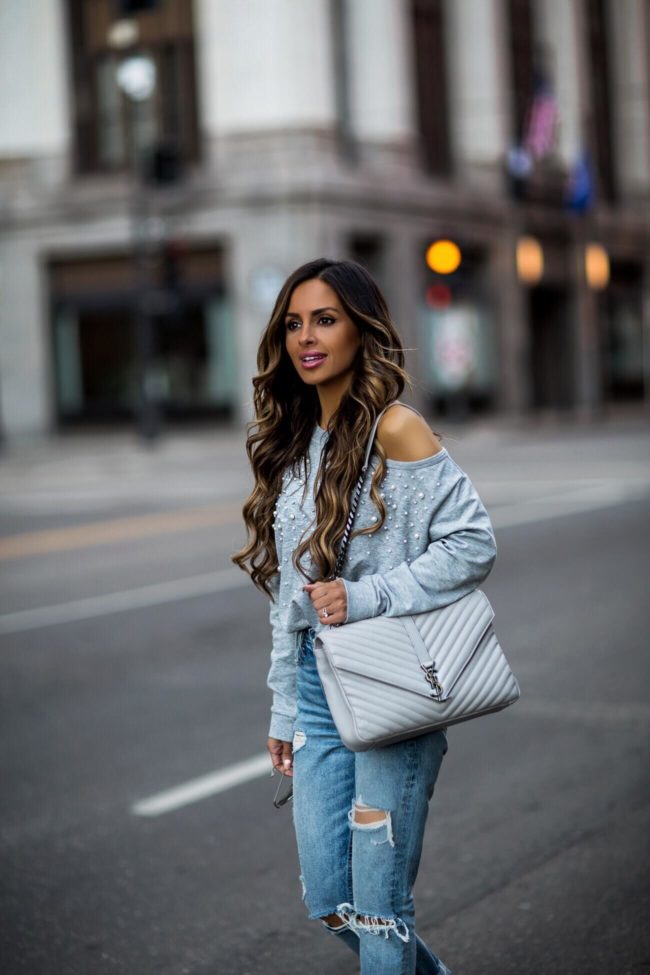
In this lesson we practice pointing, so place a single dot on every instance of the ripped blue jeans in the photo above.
(359, 819)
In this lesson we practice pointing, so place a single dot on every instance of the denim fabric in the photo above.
(362, 872)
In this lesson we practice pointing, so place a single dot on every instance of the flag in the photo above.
(542, 121)
(579, 193)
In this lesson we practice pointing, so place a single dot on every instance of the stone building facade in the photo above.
(164, 165)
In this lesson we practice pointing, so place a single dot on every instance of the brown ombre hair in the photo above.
(286, 411)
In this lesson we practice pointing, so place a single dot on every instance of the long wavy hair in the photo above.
(287, 409)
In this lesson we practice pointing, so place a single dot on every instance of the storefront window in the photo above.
(622, 333)
(95, 322)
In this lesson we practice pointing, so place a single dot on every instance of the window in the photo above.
(369, 250)
(621, 307)
(521, 47)
(111, 129)
(431, 80)
(96, 339)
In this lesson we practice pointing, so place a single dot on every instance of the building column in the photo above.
(586, 338)
(480, 110)
(381, 77)
(35, 137)
(629, 25)
(25, 353)
(513, 336)
(403, 259)
(35, 122)
(266, 78)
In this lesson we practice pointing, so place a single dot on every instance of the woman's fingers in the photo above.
(331, 596)
(281, 753)
(274, 747)
(287, 758)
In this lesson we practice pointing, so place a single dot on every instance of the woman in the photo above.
(330, 360)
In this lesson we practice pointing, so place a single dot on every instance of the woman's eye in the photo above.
(323, 320)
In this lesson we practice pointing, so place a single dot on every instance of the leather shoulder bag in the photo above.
(388, 678)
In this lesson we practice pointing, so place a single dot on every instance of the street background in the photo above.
(164, 166)
(133, 660)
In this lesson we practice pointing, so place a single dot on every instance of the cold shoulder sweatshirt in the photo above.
(436, 545)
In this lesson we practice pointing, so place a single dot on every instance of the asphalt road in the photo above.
(536, 853)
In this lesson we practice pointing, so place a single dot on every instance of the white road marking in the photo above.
(597, 712)
(575, 501)
(203, 787)
(119, 602)
(555, 505)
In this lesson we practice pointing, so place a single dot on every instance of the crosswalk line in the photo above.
(203, 787)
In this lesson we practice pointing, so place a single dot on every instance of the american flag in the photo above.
(541, 124)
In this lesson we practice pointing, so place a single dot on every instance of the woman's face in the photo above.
(321, 339)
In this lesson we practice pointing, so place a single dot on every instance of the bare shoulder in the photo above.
(406, 435)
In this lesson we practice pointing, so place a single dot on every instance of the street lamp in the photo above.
(136, 76)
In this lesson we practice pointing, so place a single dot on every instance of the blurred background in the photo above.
(164, 164)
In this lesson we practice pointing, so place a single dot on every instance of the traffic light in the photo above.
(443, 258)
(438, 296)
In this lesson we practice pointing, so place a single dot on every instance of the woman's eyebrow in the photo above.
(316, 311)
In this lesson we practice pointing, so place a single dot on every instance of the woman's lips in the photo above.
(312, 361)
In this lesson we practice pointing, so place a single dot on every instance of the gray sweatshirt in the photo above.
(437, 544)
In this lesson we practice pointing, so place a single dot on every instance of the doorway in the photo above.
(551, 355)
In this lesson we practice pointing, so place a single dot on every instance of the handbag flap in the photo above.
(425, 653)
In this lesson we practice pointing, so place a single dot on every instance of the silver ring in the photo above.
(324, 613)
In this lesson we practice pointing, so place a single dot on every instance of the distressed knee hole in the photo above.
(373, 924)
(299, 740)
(363, 817)
(366, 815)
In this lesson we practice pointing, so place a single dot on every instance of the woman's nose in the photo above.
(306, 336)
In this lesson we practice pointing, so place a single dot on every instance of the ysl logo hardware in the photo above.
(432, 678)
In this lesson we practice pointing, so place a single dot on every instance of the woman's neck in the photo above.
(330, 397)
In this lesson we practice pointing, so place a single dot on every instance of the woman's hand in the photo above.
(281, 753)
(330, 596)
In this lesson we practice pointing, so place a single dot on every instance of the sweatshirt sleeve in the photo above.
(460, 555)
(282, 674)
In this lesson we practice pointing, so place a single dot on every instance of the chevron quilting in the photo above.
(375, 686)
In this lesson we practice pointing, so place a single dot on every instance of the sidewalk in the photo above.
(200, 445)
(102, 470)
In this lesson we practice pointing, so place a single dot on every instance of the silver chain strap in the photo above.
(356, 494)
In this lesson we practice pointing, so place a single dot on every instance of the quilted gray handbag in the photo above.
(388, 678)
